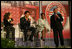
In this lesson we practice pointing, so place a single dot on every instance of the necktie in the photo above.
(55, 18)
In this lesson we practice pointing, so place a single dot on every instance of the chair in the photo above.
(21, 34)
(3, 32)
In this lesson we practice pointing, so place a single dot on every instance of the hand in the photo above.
(11, 22)
(29, 19)
(45, 28)
(51, 30)
(56, 15)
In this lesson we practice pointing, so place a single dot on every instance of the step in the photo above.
(40, 43)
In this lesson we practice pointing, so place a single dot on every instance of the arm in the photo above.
(51, 22)
(60, 17)
(11, 21)
(21, 21)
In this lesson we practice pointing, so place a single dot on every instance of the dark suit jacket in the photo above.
(24, 24)
(56, 24)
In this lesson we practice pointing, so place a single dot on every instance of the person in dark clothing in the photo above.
(8, 22)
(25, 25)
(57, 27)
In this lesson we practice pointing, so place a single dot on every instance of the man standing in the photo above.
(57, 27)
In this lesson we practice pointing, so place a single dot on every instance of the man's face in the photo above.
(56, 10)
(43, 16)
(27, 14)
(10, 16)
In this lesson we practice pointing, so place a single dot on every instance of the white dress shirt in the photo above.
(41, 24)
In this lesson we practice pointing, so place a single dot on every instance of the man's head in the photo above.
(55, 10)
(27, 13)
(42, 15)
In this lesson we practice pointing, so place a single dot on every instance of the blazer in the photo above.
(24, 24)
(56, 24)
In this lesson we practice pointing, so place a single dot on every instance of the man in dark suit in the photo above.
(25, 25)
(57, 27)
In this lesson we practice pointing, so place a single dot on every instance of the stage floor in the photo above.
(48, 43)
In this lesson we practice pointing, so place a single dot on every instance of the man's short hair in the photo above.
(26, 12)
(42, 14)
(54, 9)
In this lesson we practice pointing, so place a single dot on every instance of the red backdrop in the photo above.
(17, 12)
(66, 33)
(34, 10)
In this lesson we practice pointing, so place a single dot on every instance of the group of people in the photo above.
(41, 26)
